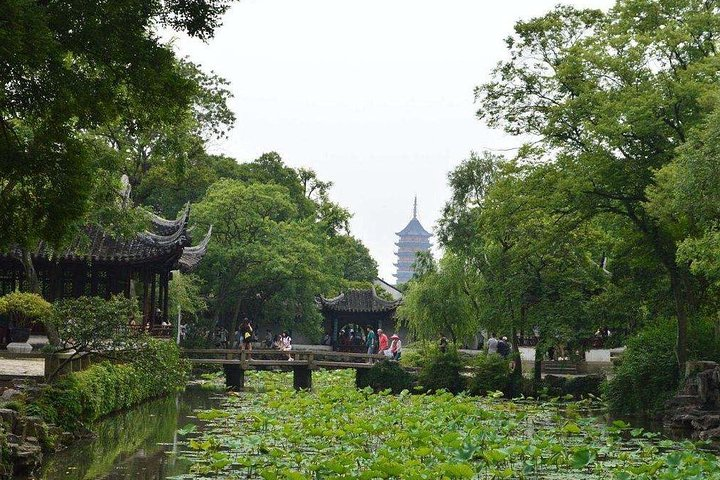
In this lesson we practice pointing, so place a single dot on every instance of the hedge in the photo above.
(82, 397)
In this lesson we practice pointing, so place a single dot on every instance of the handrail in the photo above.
(317, 353)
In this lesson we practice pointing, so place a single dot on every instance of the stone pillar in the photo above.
(302, 378)
(234, 377)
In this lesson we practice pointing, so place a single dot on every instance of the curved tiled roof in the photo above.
(169, 239)
(358, 301)
(191, 256)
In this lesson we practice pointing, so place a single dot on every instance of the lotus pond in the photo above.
(337, 432)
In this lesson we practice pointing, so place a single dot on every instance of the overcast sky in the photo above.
(374, 95)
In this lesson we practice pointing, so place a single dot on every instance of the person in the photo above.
(238, 337)
(503, 347)
(396, 347)
(492, 344)
(383, 341)
(247, 334)
(268, 339)
(223, 337)
(286, 344)
(371, 341)
(327, 339)
(183, 331)
(277, 342)
(443, 343)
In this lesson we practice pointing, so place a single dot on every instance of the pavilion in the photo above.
(96, 264)
(357, 309)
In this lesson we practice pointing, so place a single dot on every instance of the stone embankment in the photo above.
(697, 406)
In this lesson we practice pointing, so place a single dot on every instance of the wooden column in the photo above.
(165, 300)
(146, 299)
(152, 298)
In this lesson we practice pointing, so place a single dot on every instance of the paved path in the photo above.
(26, 367)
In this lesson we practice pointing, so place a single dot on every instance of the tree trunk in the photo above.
(537, 373)
(517, 360)
(679, 290)
(33, 286)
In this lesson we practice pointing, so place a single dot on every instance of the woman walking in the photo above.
(396, 347)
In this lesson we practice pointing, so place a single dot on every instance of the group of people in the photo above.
(379, 343)
(501, 347)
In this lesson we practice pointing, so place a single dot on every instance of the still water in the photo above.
(141, 444)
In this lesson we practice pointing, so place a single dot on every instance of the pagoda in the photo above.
(413, 239)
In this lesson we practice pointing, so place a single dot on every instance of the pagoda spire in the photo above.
(415, 207)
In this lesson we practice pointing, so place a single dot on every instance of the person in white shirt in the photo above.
(286, 344)
(492, 344)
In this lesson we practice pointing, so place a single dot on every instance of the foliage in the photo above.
(82, 397)
(340, 432)
(442, 371)
(95, 325)
(69, 68)
(274, 249)
(647, 374)
(385, 375)
(491, 373)
(437, 300)
(184, 294)
(24, 308)
(612, 97)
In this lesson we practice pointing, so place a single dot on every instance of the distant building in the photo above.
(413, 239)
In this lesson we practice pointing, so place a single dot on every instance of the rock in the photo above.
(8, 417)
(9, 394)
(693, 368)
(18, 347)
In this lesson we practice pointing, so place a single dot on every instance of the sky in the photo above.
(374, 95)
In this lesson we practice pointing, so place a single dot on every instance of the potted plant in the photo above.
(23, 310)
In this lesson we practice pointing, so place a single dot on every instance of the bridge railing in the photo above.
(279, 358)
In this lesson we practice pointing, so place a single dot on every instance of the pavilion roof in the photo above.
(167, 240)
(365, 301)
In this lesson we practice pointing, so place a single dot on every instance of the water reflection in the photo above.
(139, 444)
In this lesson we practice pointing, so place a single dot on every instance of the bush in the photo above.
(83, 397)
(490, 374)
(647, 374)
(24, 308)
(442, 371)
(385, 375)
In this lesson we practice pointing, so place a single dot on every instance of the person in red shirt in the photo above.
(383, 339)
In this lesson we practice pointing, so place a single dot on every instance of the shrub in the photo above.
(490, 373)
(24, 308)
(442, 371)
(83, 397)
(647, 374)
(385, 375)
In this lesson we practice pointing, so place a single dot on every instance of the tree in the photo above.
(437, 300)
(65, 69)
(611, 96)
(527, 263)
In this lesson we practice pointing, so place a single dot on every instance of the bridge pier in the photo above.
(302, 378)
(234, 377)
(360, 377)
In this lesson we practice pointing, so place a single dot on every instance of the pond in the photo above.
(138, 444)
(339, 432)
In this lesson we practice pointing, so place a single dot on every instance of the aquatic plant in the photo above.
(338, 431)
